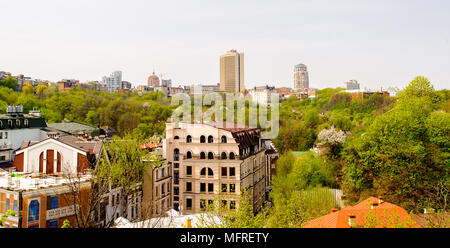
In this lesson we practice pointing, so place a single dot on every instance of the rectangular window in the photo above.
(176, 190)
(1, 135)
(210, 202)
(202, 203)
(188, 186)
(224, 171)
(232, 172)
(2, 158)
(7, 205)
(157, 191)
(52, 202)
(210, 187)
(15, 206)
(224, 187)
(224, 203)
(202, 187)
(232, 188)
(176, 175)
(6, 135)
(162, 172)
(189, 170)
(176, 165)
(188, 203)
(232, 205)
(163, 189)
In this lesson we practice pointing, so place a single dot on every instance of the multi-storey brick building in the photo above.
(39, 201)
(211, 160)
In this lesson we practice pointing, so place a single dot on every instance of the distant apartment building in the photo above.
(166, 82)
(67, 84)
(301, 78)
(113, 82)
(143, 88)
(351, 85)
(175, 90)
(95, 85)
(210, 162)
(153, 80)
(126, 85)
(232, 72)
(262, 94)
(204, 88)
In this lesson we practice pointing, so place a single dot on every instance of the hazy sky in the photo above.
(379, 43)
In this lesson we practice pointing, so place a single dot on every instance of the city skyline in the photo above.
(370, 41)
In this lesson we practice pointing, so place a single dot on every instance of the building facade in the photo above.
(211, 163)
(153, 80)
(232, 72)
(301, 78)
(16, 127)
(351, 85)
(39, 202)
(113, 82)
(262, 94)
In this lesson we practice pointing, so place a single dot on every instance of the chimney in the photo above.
(374, 205)
(352, 220)
(333, 210)
(380, 199)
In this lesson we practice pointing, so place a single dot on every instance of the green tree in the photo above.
(9, 82)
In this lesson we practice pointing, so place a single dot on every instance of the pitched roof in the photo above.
(368, 213)
(93, 147)
(70, 127)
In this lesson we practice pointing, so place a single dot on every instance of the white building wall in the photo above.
(17, 136)
(69, 156)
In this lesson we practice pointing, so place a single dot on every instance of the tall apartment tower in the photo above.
(114, 81)
(232, 71)
(301, 79)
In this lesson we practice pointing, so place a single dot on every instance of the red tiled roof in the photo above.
(382, 214)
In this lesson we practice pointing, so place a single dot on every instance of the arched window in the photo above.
(202, 139)
(189, 154)
(231, 155)
(33, 211)
(176, 137)
(210, 155)
(223, 155)
(210, 139)
(26, 124)
(18, 123)
(224, 139)
(1, 124)
(176, 154)
(188, 139)
(203, 172)
(202, 155)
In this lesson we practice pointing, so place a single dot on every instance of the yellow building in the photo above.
(232, 72)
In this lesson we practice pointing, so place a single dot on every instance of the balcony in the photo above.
(61, 212)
